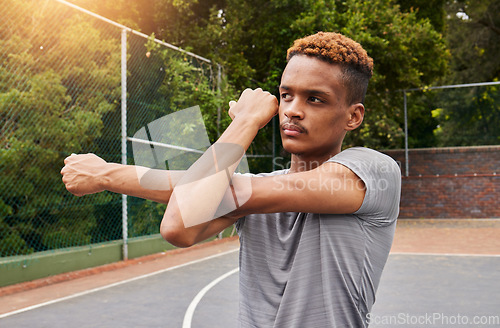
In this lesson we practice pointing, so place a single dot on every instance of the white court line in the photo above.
(445, 254)
(114, 284)
(188, 317)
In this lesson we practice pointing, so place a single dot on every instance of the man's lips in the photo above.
(292, 130)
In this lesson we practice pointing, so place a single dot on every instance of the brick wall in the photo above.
(457, 182)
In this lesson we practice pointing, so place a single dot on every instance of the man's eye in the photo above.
(285, 96)
(315, 100)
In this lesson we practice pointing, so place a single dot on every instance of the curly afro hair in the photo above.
(335, 48)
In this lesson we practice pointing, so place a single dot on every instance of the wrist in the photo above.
(105, 175)
(241, 131)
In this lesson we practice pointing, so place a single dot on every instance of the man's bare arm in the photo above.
(88, 174)
(201, 192)
(331, 188)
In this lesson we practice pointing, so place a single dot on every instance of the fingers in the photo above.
(66, 170)
(230, 112)
(67, 180)
(257, 106)
(66, 160)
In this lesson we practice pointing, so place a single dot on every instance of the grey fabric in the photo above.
(320, 270)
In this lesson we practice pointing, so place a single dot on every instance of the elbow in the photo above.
(175, 233)
(175, 237)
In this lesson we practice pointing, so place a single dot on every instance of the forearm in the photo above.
(204, 192)
(141, 182)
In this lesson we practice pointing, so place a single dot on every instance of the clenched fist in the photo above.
(83, 174)
(255, 106)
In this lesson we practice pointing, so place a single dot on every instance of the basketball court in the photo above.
(441, 273)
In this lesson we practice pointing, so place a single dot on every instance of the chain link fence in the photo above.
(61, 75)
(451, 116)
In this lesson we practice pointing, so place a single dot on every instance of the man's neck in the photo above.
(300, 163)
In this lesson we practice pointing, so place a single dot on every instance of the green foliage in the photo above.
(60, 93)
(164, 81)
(125, 12)
(433, 10)
(406, 38)
(147, 217)
(474, 40)
(188, 82)
(251, 38)
(407, 53)
(471, 116)
(11, 243)
(422, 118)
(56, 83)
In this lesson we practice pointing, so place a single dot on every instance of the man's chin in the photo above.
(292, 147)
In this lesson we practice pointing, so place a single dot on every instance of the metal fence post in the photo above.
(219, 93)
(124, 138)
(273, 125)
(407, 164)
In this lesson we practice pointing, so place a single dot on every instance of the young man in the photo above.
(315, 237)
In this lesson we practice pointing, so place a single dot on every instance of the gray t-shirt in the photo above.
(320, 270)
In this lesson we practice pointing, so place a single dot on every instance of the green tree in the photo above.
(250, 38)
(121, 11)
(432, 10)
(183, 82)
(407, 51)
(57, 80)
(468, 117)
(471, 116)
(474, 40)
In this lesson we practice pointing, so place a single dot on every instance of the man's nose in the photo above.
(292, 109)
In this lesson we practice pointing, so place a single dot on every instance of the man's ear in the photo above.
(357, 113)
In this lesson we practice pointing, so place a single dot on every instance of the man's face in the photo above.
(313, 113)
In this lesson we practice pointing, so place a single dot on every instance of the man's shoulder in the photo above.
(365, 157)
(361, 151)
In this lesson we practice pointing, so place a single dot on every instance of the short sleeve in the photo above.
(382, 178)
